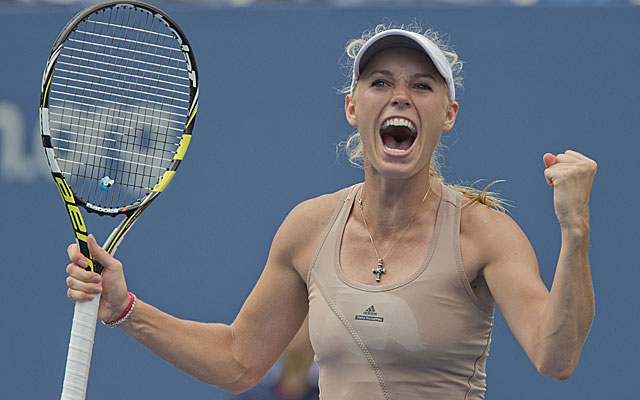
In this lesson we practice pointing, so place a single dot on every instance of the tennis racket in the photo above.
(118, 101)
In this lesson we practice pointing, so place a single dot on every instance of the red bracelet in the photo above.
(125, 314)
(128, 307)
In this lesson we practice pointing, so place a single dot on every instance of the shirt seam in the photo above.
(327, 230)
(354, 335)
(462, 274)
(475, 364)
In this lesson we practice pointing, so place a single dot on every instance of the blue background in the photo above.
(536, 80)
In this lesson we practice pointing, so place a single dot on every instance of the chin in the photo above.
(394, 169)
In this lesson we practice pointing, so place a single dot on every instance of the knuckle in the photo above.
(73, 270)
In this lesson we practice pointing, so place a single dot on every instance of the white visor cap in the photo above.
(401, 38)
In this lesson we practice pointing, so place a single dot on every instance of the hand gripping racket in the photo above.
(118, 101)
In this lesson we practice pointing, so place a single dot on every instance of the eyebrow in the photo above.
(389, 73)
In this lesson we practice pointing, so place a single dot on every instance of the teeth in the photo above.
(399, 122)
(389, 149)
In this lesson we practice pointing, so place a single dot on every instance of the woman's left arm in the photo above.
(570, 308)
(552, 326)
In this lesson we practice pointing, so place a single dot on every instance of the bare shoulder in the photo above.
(301, 232)
(487, 235)
(313, 215)
(479, 218)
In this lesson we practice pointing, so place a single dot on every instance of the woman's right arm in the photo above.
(233, 357)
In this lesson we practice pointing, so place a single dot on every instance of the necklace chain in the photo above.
(380, 270)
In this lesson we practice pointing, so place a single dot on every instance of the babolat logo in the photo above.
(369, 314)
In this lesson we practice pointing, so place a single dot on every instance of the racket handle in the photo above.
(83, 330)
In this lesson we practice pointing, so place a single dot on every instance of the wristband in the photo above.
(127, 312)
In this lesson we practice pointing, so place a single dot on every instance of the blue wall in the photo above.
(537, 80)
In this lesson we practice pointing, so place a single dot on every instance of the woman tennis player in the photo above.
(399, 274)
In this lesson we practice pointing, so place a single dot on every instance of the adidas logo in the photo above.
(369, 314)
(370, 311)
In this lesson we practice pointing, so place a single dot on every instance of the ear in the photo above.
(350, 109)
(450, 117)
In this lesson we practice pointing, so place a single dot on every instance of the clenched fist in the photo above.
(571, 175)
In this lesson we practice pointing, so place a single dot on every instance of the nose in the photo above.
(401, 96)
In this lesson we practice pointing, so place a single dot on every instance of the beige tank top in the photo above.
(426, 337)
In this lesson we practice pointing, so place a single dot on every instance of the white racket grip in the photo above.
(76, 373)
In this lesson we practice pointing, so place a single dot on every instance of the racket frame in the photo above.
(85, 313)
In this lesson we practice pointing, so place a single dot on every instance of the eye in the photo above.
(423, 86)
(379, 83)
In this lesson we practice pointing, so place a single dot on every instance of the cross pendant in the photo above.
(378, 271)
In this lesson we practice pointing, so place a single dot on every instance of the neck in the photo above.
(390, 204)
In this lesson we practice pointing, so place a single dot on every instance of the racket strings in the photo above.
(124, 119)
(118, 104)
(105, 86)
(93, 76)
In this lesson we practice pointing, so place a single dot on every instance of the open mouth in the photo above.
(398, 135)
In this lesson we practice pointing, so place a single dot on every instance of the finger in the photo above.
(75, 256)
(549, 159)
(77, 272)
(578, 160)
(85, 287)
(99, 254)
(582, 158)
(572, 155)
(94, 247)
(72, 249)
(567, 158)
(76, 295)
(548, 176)
(575, 154)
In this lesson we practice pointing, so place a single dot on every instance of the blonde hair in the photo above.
(353, 145)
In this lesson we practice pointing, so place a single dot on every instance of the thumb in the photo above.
(549, 159)
(98, 253)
